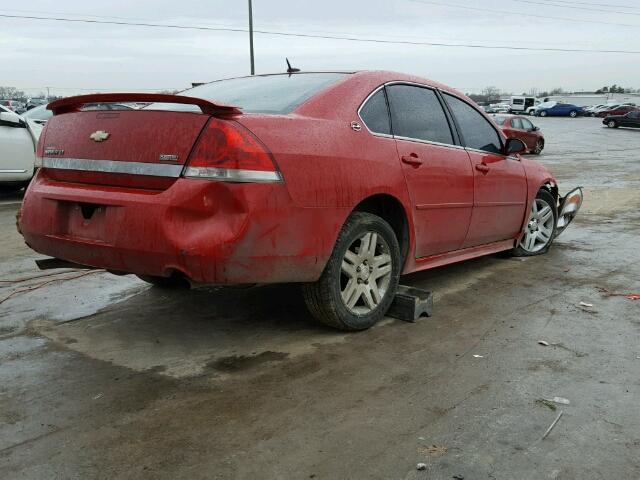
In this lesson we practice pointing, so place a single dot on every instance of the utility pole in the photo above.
(253, 68)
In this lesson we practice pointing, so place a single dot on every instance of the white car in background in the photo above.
(17, 151)
(36, 118)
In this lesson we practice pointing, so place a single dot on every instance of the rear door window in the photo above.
(416, 113)
(516, 123)
(476, 130)
(375, 113)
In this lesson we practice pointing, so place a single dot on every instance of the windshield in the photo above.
(277, 94)
(500, 120)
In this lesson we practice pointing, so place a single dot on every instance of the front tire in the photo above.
(360, 279)
(541, 226)
(573, 114)
(543, 114)
(612, 124)
(539, 146)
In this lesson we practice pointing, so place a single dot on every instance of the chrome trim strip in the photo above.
(12, 171)
(484, 152)
(113, 166)
(429, 142)
(232, 175)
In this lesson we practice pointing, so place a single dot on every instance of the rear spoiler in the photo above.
(73, 104)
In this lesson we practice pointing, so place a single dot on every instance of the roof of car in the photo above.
(383, 76)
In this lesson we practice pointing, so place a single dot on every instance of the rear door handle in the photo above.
(411, 159)
(481, 167)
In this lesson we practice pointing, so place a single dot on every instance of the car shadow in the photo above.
(185, 333)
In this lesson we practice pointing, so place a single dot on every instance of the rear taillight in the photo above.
(228, 151)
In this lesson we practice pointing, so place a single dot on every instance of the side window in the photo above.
(417, 113)
(516, 123)
(375, 114)
(476, 131)
(526, 124)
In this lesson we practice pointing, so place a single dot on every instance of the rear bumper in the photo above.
(211, 232)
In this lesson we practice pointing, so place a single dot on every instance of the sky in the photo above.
(73, 58)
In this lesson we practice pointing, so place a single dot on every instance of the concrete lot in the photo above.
(103, 377)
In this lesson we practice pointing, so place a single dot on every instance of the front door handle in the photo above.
(411, 159)
(481, 167)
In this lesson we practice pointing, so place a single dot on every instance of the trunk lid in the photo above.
(129, 148)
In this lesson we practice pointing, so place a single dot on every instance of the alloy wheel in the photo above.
(539, 229)
(611, 124)
(365, 273)
(539, 146)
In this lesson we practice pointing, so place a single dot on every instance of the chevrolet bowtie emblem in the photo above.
(99, 136)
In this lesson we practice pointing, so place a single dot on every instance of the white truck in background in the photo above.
(522, 104)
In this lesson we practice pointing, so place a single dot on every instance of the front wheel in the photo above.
(543, 114)
(539, 146)
(540, 228)
(361, 277)
(573, 114)
(612, 124)
(532, 113)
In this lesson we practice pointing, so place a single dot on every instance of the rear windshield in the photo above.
(278, 94)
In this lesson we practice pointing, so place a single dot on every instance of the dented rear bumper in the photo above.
(210, 232)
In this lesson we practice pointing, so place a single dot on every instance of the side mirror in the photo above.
(513, 146)
(10, 119)
(536, 128)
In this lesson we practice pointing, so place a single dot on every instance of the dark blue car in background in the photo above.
(559, 110)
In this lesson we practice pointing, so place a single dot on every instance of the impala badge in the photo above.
(99, 136)
(51, 151)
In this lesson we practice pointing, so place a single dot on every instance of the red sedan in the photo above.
(516, 126)
(620, 110)
(340, 181)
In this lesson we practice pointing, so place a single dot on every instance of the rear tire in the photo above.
(164, 282)
(573, 114)
(360, 279)
(12, 188)
(543, 114)
(540, 229)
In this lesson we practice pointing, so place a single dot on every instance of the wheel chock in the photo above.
(411, 303)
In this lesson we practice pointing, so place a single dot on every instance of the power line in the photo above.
(598, 4)
(240, 26)
(577, 7)
(326, 37)
(521, 14)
